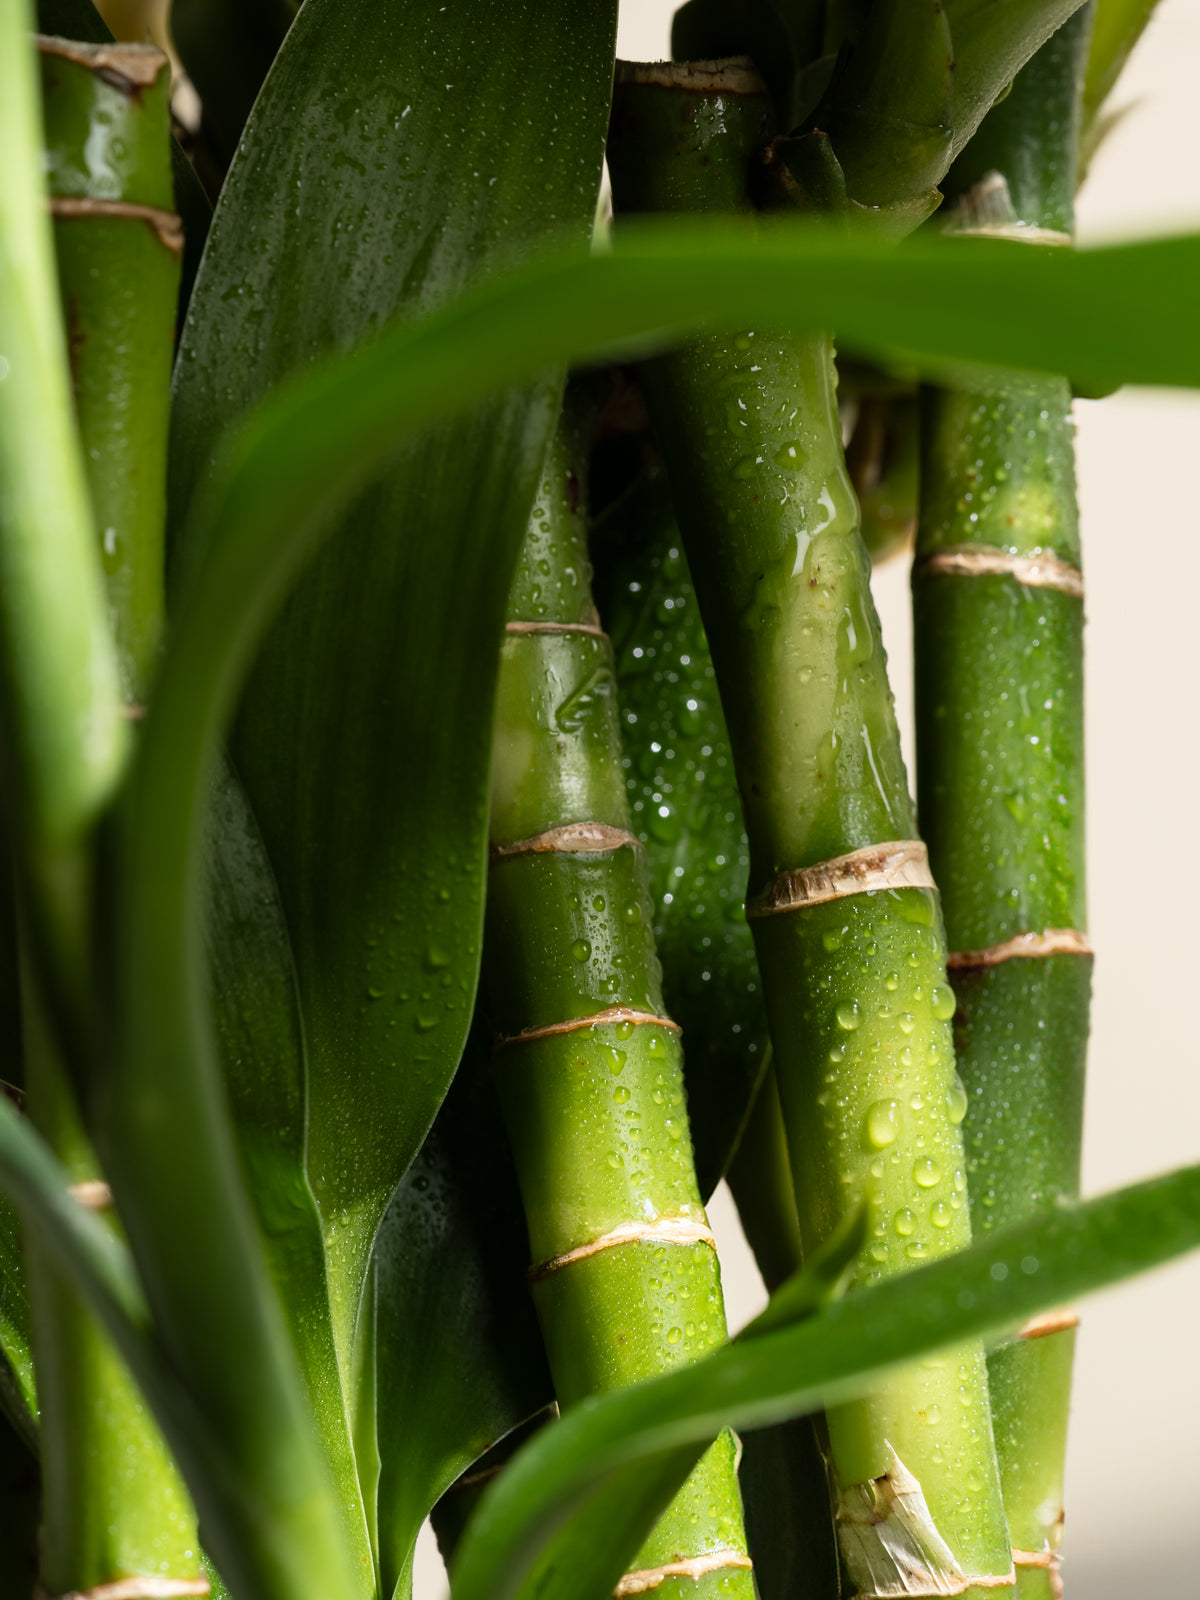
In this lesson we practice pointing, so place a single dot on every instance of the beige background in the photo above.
(1130, 1494)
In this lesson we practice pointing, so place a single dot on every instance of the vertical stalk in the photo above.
(64, 732)
(845, 917)
(998, 626)
(625, 1277)
(114, 1508)
(118, 243)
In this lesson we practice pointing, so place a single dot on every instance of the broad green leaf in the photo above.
(260, 1037)
(458, 1355)
(985, 1291)
(372, 814)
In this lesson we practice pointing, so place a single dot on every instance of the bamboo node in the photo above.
(901, 864)
(593, 630)
(577, 838)
(986, 211)
(726, 75)
(1045, 571)
(143, 1588)
(663, 1230)
(1035, 1558)
(126, 66)
(689, 1567)
(1051, 942)
(166, 224)
(1049, 1322)
(597, 1019)
(93, 1193)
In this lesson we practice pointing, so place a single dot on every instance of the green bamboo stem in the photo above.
(998, 627)
(114, 1507)
(855, 985)
(625, 1279)
(118, 244)
(63, 726)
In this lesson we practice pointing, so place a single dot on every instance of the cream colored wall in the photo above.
(1130, 1496)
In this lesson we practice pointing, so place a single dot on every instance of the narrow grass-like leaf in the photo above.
(987, 1290)
(298, 459)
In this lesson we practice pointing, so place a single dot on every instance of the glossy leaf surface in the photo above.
(383, 663)
(459, 1360)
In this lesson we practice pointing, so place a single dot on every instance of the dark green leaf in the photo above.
(458, 1356)
(986, 1290)
(260, 1037)
(373, 815)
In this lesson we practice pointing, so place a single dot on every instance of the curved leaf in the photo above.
(459, 1360)
(260, 1037)
(355, 691)
(986, 1290)
(294, 464)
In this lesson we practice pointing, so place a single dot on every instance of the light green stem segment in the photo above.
(118, 244)
(114, 1506)
(855, 987)
(595, 1108)
(58, 675)
(999, 667)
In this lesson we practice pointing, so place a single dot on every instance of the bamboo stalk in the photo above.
(118, 243)
(625, 1277)
(851, 950)
(998, 628)
(114, 1507)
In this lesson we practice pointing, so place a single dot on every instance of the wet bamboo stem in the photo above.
(855, 985)
(999, 667)
(588, 1068)
(114, 1507)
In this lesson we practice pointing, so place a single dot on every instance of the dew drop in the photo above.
(956, 1100)
(674, 1335)
(926, 1172)
(940, 1214)
(904, 1222)
(581, 949)
(943, 1002)
(847, 1015)
(882, 1123)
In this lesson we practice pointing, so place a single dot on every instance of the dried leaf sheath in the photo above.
(625, 1278)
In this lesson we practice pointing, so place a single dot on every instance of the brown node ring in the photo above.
(597, 1019)
(578, 838)
(900, 864)
(144, 1588)
(691, 1567)
(593, 630)
(1046, 571)
(1023, 946)
(663, 1230)
(166, 224)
